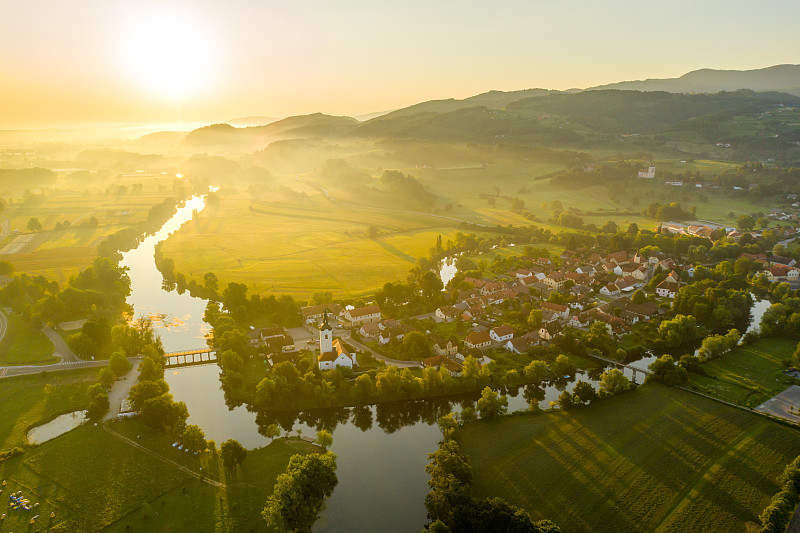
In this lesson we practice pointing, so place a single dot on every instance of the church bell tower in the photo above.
(325, 335)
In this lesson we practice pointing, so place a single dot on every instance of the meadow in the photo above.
(31, 400)
(123, 487)
(58, 254)
(24, 344)
(747, 375)
(658, 459)
(302, 247)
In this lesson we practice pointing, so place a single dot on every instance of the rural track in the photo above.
(180, 467)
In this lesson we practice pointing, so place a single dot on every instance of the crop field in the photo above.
(658, 459)
(24, 344)
(58, 254)
(28, 401)
(747, 375)
(303, 247)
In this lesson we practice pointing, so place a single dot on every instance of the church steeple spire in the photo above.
(325, 324)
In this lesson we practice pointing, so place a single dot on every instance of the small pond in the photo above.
(57, 426)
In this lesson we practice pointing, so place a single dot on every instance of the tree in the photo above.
(613, 382)
(144, 390)
(679, 331)
(372, 232)
(491, 405)
(232, 453)
(584, 392)
(271, 431)
(163, 412)
(106, 377)
(796, 356)
(98, 407)
(324, 438)
(639, 297)
(562, 366)
(415, 345)
(6, 268)
(34, 225)
(537, 371)
(566, 400)
(746, 222)
(535, 319)
(665, 370)
(491, 515)
(300, 492)
(119, 364)
(193, 439)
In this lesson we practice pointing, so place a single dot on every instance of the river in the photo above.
(381, 450)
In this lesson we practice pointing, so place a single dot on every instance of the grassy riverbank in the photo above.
(657, 459)
(747, 375)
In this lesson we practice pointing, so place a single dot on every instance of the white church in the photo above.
(332, 353)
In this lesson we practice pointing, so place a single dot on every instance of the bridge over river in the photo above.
(201, 356)
(617, 364)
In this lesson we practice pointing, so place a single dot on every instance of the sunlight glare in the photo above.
(168, 54)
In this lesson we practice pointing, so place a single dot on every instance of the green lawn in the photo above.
(658, 459)
(27, 401)
(748, 375)
(97, 482)
(25, 345)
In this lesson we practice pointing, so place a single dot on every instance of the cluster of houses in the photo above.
(597, 287)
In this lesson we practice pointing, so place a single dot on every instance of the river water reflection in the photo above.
(381, 450)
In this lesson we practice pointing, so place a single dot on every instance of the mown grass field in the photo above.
(94, 481)
(28, 401)
(25, 345)
(748, 375)
(658, 459)
(304, 246)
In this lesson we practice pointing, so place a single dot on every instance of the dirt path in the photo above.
(121, 388)
(168, 461)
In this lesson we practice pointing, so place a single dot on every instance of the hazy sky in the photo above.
(103, 61)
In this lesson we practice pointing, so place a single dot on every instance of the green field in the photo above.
(59, 254)
(303, 246)
(658, 459)
(748, 375)
(25, 345)
(95, 481)
(28, 401)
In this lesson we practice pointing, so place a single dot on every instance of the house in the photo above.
(501, 333)
(609, 290)
(668, 289)
(440, 361)
(332, 353)
(618, 258)
(548, 331)
(271, 332)
(337, 357)
(356, 317)
(442, 346)
(389, 334)
(313, 314)
(562, 311)
(555, 280)
(782, 272)
(369, 329)
(281, 344)
(647, 173)
(492, 288)
(519, 345)
(447, 313)
(478, 339)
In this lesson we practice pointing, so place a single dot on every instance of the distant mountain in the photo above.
(248, 122)
(779, 78)
(225, 136)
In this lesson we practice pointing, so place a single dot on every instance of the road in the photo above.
(3, 325)
(61, 348)
(345, 334)
(21, 370)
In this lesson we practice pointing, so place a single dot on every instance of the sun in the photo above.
(168, 54)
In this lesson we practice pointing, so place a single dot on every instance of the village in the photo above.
(574, 290)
